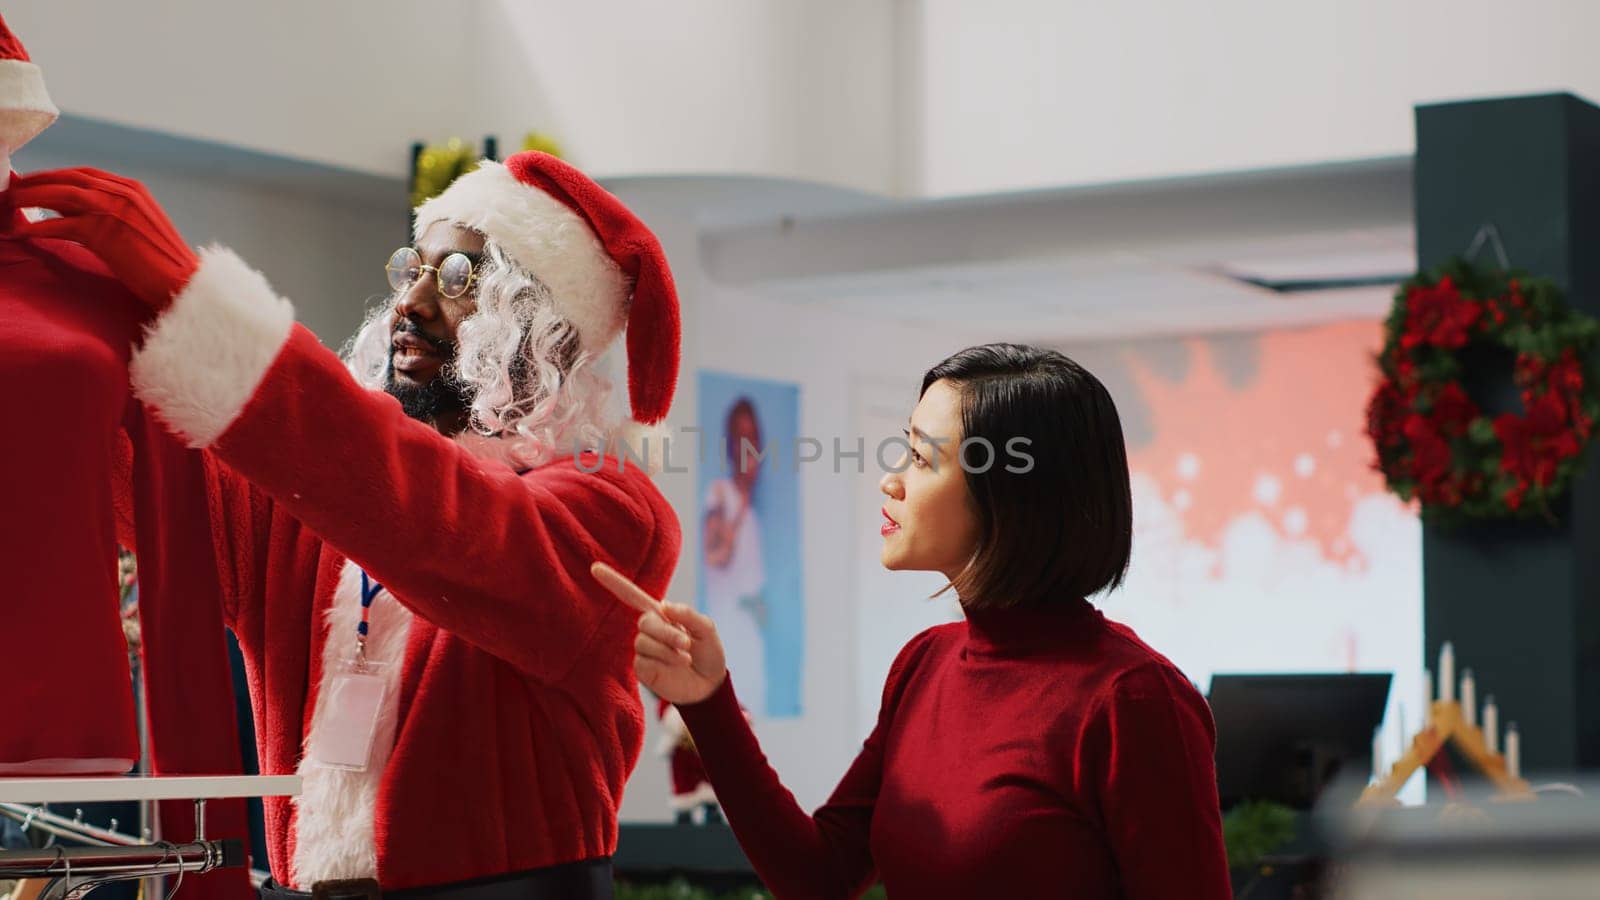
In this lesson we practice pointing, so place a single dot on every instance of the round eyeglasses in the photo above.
(454, 273)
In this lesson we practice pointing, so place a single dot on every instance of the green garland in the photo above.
(440, 164)
(680, 889)
(1255, 829)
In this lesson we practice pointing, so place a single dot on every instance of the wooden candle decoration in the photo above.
(1448, 722)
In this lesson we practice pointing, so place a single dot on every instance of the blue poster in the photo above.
(749, 526)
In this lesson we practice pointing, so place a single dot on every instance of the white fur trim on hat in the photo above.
(545, 237)
(646, 446)
(25, 107)
(203, 359)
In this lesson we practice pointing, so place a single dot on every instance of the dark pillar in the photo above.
(1521, 602)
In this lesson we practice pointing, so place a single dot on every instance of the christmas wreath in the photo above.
(1435, 442)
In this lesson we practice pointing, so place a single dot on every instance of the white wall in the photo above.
(725, 86)
(349, 84)
(913, 97)
(1027, 93)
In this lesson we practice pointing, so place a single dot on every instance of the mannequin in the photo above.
(58, 538)
(65, 369)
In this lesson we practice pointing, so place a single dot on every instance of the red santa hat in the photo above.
(25, 107)
(605, 269)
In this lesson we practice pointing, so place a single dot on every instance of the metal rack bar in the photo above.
(168, 859)
(61, 826)
(110, 855)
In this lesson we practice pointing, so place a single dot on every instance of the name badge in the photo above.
(344, 736)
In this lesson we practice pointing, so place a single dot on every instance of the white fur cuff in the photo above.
(205, 356)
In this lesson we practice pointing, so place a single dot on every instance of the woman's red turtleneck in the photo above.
(1024, 752)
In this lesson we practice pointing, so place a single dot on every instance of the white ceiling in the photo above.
(1130, 260)
(1126, 294)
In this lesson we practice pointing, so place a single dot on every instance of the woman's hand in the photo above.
(677, 654)
(116, 219)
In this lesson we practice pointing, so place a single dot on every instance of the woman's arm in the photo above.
(824, 854)
(1151, 747)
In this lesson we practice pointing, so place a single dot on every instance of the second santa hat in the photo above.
(25, 107)
(604, 267)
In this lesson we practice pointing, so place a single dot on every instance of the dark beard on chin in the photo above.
(442, 396)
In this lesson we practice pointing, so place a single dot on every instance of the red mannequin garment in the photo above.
(65, 370)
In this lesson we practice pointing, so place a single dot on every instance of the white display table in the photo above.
(155, 787)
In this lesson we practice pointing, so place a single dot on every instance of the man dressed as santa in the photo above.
(403, 537)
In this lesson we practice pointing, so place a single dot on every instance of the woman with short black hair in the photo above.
(1055, 521)
(1034, 749)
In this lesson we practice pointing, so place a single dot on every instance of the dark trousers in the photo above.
(586, 880)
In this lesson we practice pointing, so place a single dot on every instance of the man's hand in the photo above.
(677, 654)
(117, 220)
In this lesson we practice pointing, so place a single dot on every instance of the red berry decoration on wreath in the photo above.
(1434, 444)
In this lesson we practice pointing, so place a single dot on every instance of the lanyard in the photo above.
(369, 591)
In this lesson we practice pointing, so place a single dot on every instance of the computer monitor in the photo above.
(1287, 737)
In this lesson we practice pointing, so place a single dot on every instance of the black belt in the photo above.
(586, 880)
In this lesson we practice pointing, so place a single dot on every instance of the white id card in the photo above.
(344, 737)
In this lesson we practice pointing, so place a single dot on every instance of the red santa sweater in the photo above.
(65, 327)
(512, 718)
(1022, 753)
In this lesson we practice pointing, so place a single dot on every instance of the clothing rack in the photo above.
(42, 818)
(75, 871)
(109, 855)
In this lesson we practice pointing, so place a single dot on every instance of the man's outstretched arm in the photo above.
(499, 559)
